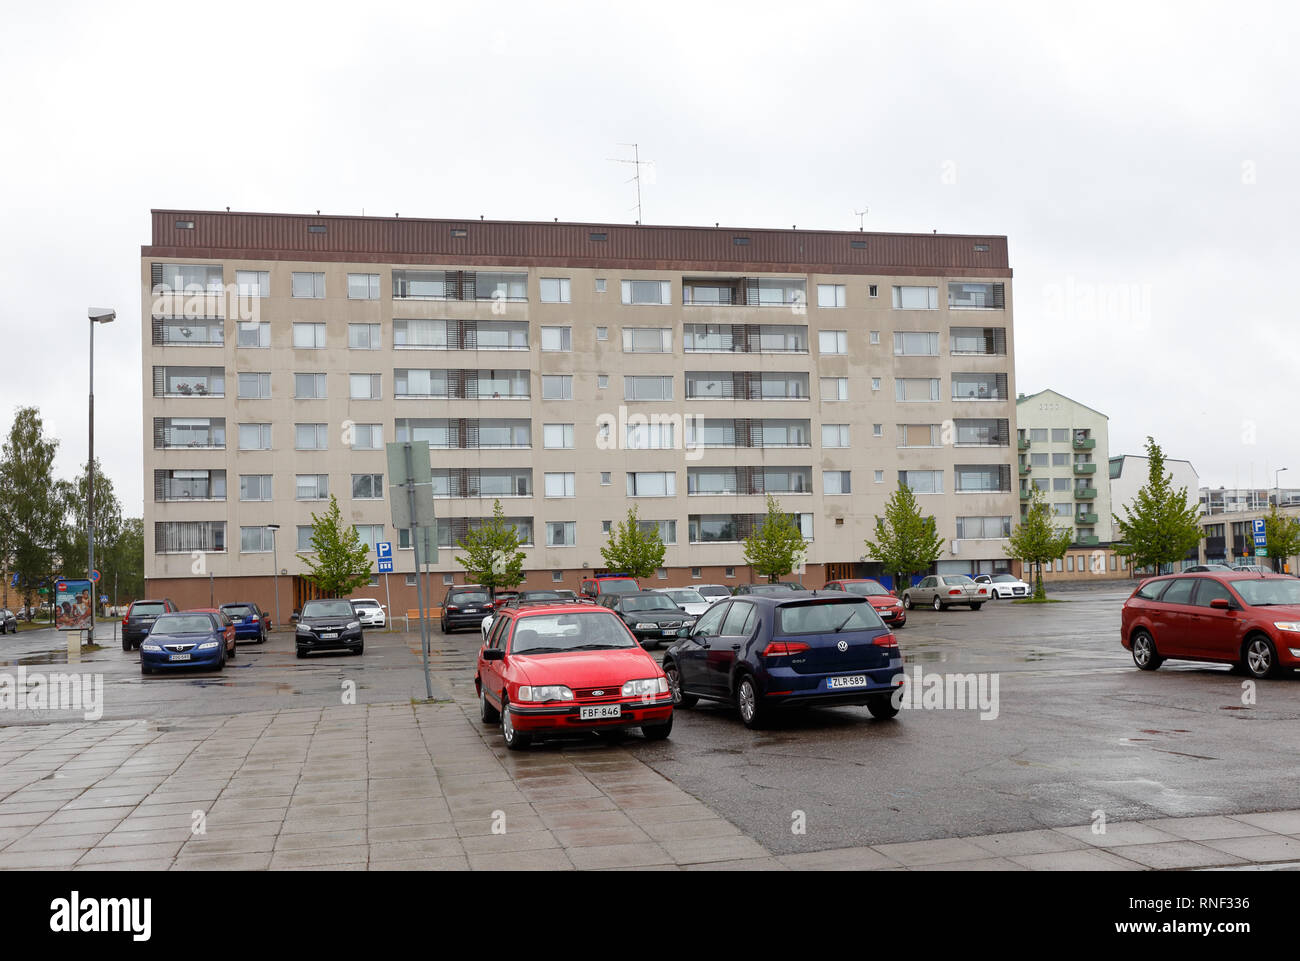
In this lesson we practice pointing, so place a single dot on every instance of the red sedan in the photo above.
(1249, 620)
(557, 670)
(887, 605)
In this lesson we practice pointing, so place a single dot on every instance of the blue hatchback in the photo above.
(249, 623)
(188, 639)
(800, 648)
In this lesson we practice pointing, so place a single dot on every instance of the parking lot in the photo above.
(1078, 730)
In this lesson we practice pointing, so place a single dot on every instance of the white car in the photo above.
(1003, 586)
(687, 598)
(370, 612)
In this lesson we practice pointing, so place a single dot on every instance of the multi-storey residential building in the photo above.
(1062, 447)
(570, 371)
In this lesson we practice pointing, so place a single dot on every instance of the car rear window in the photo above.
(827, 617)
(238, 610)
(1149, 592)
(469, 597)
(183, 624)
(618, 586)
(147, 607)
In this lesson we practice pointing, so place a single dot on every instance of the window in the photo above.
(835, 388)
(919, 435)
(1060, 435)
(971, 386)
(922, 481)
(1060, 460)
(728, 572)
(431, 334)
(836, 482)
(364, 386)
(776, 292)
(916, 344)
(312, 487)
(978, 340)
(916, 389)
(254, 436)
(256, 540)
(308, 336)
(254, 487)
(880, 477)
(558, 485)
(652, 484)
(557, 387)
(696, 573)
(557, 436)
(916, 298)
(1038, 460)
(875, 337)
(364, 337)
(189, 485)
(877, 430)
(253, 283)
(830, 295)
(252, 334)
(647, 388)
(367, 487)
(605, 480)
(496, 285)
(408, 382)
(667, 530)
(661, 573)
(964, 296)
(647, 292)
(600, 285)
(650, 436)
(189, 331)
(561, 533)
(557, 338)
(977, 528)
(873, 290)
(367, 437)
(1069, 562)
(557, 577)
(309, 386)
(308, 285)
(875, 383)
(835, 435)
(1038, 435)
(983, 478)
(606, 526)
(986, 432)
(189, 382)
(833, 341)
(363, 286)
(491, 335)
(189, 278)
(602, 333)
(254, 386)
(554, 290)
(1042, 484)
(647, 340)
(309, 436)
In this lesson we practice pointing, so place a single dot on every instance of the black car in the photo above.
(465, 606)
(792, 649)
(139, 620)
(650, 615)
(328, 625)
(8, 622)
(766, 588)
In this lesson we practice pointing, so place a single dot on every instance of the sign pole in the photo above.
(419, 589)
(389, 598)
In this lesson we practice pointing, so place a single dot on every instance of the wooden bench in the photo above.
(413, 614)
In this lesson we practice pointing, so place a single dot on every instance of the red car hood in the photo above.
(587, 668)
(880, 600)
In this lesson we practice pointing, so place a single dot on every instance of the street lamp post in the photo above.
(275, 570)
(1277, 481)
(97, 315)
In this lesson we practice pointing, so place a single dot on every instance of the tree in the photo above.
(1160, 527)
(637, 552)
(1282, 535)
(906, 543)
(341, 563)
(776, 546)
(34, 505)
(123, 564)
(108, 522)
(492, 556)
(1036, 540)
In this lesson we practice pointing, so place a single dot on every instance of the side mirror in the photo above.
(1221, 604)
(493, 654)
(684, 631)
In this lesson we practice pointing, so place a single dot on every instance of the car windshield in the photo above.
(687, 597)
(590, 630)
(468, 597)
(615, 586)
(365, 602)
(539, 596)
(237, 610)
(715, 592)
(1004, 579)
(148, 607)
(957, 579)
(827, 617)
(183, 624)
(865, 588)
(1269, 591)
(326, 609)
(653, 602)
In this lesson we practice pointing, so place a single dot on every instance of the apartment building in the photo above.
(1063, 454)
(570, 371)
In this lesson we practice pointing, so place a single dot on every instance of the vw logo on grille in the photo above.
(597, 693)
(843, 646)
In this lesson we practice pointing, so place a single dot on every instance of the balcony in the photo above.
(1023, 443)
(1085, 493)
(1084, 520)
(1084, 443)
(1026, 495)
(1088, 540)
(1025, 469)
(1085, 468)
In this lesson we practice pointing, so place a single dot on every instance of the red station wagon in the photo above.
(556, 670)
(1249, 620)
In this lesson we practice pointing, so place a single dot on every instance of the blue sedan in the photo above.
(188, 639)
(801, 648)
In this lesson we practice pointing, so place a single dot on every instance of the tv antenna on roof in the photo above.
(861, 215)
(638, 163)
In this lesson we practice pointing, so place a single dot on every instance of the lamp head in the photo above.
(102, 315)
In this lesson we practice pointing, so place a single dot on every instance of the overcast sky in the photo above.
(1141, 158)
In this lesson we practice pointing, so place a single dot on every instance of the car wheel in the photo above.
(1258, 656)
(234, 650)
(145, 670)
(1144, 652)
(514, 740)
(882, 707)
(748, 703)
(647, 644)
(680, 698)
(976, 607)
(221, 664)
(657, 732)
(938, 604)
(126, 645)
(486, 712)
(443, 625)
(360, 648)
(907, 602)
(301, 653)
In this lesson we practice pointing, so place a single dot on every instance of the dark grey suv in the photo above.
(328, 625)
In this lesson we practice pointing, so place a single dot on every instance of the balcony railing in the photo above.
(1023, 443)
(1085, 468)
(1026, 495)
(1085, 493)
(1085, 443)
(1025, 469)
(1085, 520)
(1088, 540)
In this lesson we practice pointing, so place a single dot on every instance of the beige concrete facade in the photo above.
(597, 321)
(1063, 452)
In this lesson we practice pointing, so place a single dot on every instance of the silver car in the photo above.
(942, 591)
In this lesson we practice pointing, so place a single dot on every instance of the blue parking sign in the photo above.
(1257, 526)
(384, 549)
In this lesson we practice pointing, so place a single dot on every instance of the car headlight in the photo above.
(545, 692)
(150, 647)
(209, 645)
(304, 626)
(1287, 625)
(646, 626)
(646, 687)
(353, 625)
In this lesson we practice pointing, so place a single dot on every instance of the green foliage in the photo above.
(906, 543)
(491, 553)
(776, 546)
(1037, 541)
(341, 562)
(33, 504)
(123, 561)
(1160, 527)
(108, 521)
(1282, 535)
(637, 552)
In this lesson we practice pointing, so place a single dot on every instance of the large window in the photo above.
(498, 285)
(188, 278)
(308, 285)
(975, 296)
(253, 386)
(557, 387)
(651, 484)
(977, 528)
(667, 529)
(561, 533)
(369, 534)
(312, 487)
(647, 292)
(836, 482)
(972, 386)
(367, 437)
(916, 343)
(364, 386)
(919, 435)
(364, 337)
(410, 382)
(189, 332)
(309, 336)
(916, 389)
(831, 295)
(511, 384)
(256, 540)
(253, 283)
(363, 286)
(559, 484)
(834, 388)
(647, 340)
(557, 338)
(984, 478)
(835, 435)
(367, 487)
(983, 432)
(647, 388)
(185, 537)
(916, 298)
(308, 386)
(978, 340)
(190, 485)
(922, 481)
(650, 436)
(254, 436)
(310, 436)
(429, 334)
(500, 335)
(776, 292)
(255, 487)
(557, 436)
(554, 290)
(252, 334)
(833, 341)
(189, 382)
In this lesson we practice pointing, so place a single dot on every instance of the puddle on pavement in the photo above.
(40, 657)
